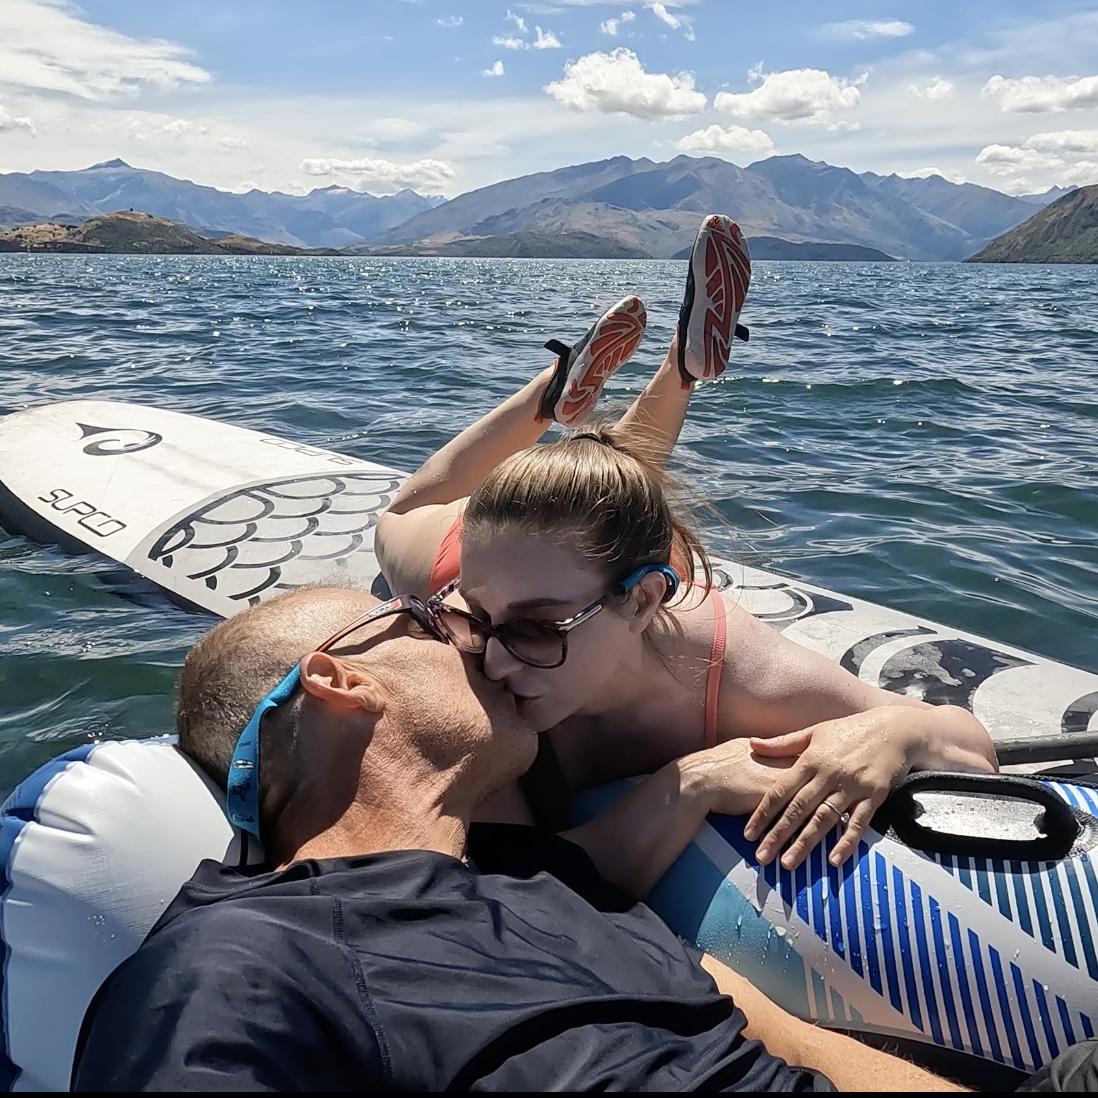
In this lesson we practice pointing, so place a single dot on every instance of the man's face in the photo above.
(439, 699)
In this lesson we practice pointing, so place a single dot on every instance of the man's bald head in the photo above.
(234, 666)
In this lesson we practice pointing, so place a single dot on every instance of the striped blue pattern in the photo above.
(934, 965)
(1040, 897)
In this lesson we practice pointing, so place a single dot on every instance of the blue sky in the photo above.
(449, 96)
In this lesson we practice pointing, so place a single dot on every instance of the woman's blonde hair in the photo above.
(596, 494)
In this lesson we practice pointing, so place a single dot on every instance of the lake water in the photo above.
(919, 435)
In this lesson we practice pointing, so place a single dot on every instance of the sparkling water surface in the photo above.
(919, 435)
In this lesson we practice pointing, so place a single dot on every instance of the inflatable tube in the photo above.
(990, 955)
(983, 942)
(93, 846)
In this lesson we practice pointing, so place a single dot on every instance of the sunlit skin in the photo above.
(406, 734)
(793, 728)
(616, 681)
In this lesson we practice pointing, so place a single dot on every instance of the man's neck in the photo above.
(392, 812)
(360, 832)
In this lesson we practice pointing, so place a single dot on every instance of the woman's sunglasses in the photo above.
(542, 644)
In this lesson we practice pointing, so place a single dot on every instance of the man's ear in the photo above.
(647, 598)
(341, 683)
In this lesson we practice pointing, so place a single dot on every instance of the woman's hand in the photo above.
(845, 768)
(731, 779)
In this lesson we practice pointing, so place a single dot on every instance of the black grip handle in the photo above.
(1058, 820)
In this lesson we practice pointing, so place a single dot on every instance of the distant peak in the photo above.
(115, 163)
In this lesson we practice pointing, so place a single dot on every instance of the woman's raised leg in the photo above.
(718, 277)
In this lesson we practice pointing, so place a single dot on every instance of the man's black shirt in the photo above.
(415, 971)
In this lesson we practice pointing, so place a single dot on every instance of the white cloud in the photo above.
(628, 16)
(1050, 156)
(9, 123)
(1082, 174)
(610, 27)
(384, 175)
(181, 127)
(546, 40)
(842, 126)
(861, 29)
(935, 88)
(1064, 142)
(675, 22)
(233, 143)
(1038, 94)
(495, 69)
(244, 186)
(617, 83)
(518, 20)
(46, 46)
(450, 21)
(1011, 159)
(726, 139)
(926, 173)
(808, 95)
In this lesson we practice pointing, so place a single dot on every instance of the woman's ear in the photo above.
(647, 598)
(341, 683)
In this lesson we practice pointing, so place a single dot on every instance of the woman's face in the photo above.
(512, 576)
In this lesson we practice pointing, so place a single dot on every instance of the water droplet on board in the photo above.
(780, 931)
(1016, 952)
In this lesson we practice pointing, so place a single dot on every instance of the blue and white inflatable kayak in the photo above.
(966, 922)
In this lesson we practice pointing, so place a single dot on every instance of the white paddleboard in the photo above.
(222, 517)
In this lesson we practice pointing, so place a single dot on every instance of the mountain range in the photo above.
(328, 217)
(656, 207)
(1066, 231)
(620, 206)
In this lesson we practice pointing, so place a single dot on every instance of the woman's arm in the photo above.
(852, 741)
(635, 841)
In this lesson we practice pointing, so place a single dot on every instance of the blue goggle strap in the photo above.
(242, 787)
(672, 577)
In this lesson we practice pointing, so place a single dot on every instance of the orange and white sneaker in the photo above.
(582, 369)
(716, 287)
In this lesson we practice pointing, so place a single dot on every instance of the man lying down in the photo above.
(397, 945)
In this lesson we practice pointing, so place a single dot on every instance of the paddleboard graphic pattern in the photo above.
(265, 538)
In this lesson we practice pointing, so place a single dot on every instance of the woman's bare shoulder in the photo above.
(407, 545)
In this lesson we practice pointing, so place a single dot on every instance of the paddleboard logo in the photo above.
(112, 441)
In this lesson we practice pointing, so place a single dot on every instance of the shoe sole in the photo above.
(720, 264)
(607, 346)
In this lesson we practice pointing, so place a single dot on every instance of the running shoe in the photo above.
(583, 369)
(716, 286)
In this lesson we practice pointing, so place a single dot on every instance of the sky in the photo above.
(445, 96)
